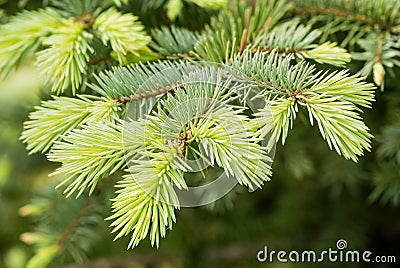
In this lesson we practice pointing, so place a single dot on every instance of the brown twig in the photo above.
(100, 59)
(74, 223)
(317, 10)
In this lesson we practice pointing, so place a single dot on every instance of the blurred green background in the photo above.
(314, 199)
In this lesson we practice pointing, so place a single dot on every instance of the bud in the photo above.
(30, 238)
(379, 73)
(28, 210)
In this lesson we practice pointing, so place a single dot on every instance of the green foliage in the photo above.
(175, 7)
(177, 109)
(58, 117)
(23, 35)
(130, 82)
(336, 128)
(373, 25)
(380, 51)
(69, 49)
(66, 35)
(301, 44)
(232, 30)
(66, 230)
(223, 139)
(390, 144)
(386, 177)
(331, 100)
(227, 138)
(88, 155)
(386, 182)
(174, 41)
(123, 33)
(356, 13)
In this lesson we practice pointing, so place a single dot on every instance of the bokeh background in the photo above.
(315, 197)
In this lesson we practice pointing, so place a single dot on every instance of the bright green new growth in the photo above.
(68, 48)
(122, 31)
(174, 7)
(23, 35)
(67, 43)
(56, 118)
(88, 155)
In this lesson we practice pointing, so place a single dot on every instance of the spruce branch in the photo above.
(88, 155)
(152, 4)
(67, 35)
(64, 62)
(174, 42)
(283, 112)
(346, 87)
(301, 44)
(222, 38)
(330, 98)
(178, 109)
(22, 36)
(178, 4)
(229, 140)
(174, 7)
(82, 9)
(122, 31)
(357, 12)
(58, 117)
(381, 52)
(120, 2)
(143, 204)
(133, 82)
(340, 126)
(386, 183)
(194, 113)
(389, 140)
(210, 4)
(274, 75)
(66, 228)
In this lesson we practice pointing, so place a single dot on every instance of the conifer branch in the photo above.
(67, 35)
(65, 229)
(88, 155)
(178, 108)
(74, 223)
(64, 62)
(22, 37)
(174, 42)
(381, 53)
(222, 37)
(378, 12)
(286, 86)
(228, 139)
(123, 32)
(140, 212)
(58, 117)
(301, 44)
